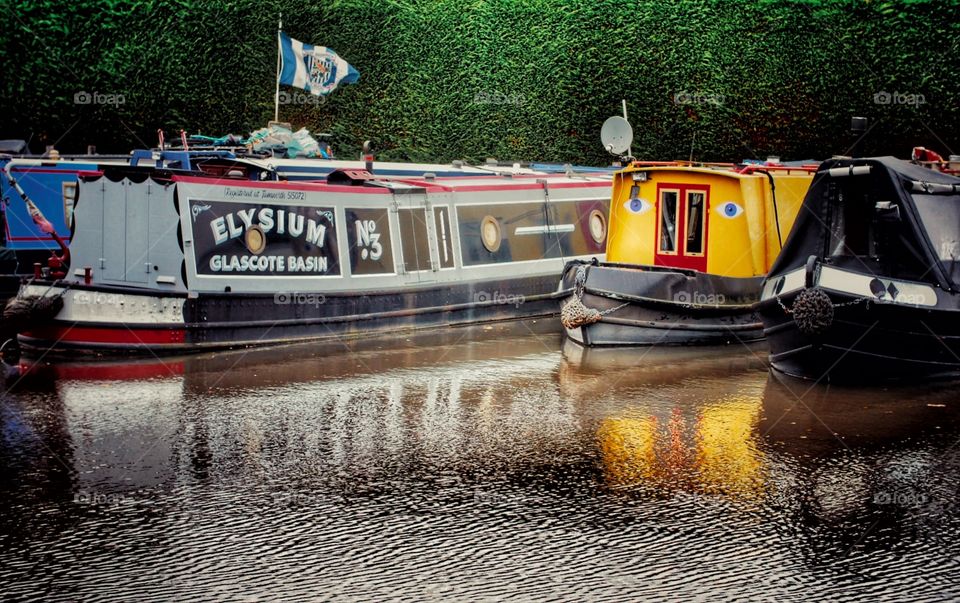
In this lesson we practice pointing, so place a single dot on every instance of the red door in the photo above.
(682, 222)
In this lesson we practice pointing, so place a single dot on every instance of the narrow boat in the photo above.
(50, 184)
(867, 287)
(689, 246)
(166, 259)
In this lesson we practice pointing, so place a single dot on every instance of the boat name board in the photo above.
(264, 239)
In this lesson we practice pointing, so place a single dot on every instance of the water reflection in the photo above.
(870, 470)
(413, 468)
(694, 434)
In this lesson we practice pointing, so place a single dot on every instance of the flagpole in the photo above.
(276, 96)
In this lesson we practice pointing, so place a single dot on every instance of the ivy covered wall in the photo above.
(511, 79)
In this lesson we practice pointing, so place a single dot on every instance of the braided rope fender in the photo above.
(813, 311)
(21, 313)
(574, 314)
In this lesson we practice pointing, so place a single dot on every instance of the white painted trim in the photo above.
(907, 293)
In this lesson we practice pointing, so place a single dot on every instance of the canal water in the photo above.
(479, 464)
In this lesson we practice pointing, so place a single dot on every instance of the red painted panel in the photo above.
(118, 335)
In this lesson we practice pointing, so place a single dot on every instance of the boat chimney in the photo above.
(368, 155)
(858, 125)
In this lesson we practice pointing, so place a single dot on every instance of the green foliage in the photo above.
(727, 79)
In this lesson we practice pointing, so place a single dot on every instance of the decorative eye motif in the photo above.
(729, 209)
(637, 205)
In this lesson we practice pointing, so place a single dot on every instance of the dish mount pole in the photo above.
(276, 96)
(624, 102)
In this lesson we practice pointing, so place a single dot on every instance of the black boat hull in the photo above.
(231, 320)
(866, 341)
(651, 305)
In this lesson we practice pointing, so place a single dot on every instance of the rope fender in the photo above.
(23, 312)
(574, 314)
(812, 311)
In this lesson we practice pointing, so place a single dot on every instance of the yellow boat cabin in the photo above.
(687, 251)
(717, 220)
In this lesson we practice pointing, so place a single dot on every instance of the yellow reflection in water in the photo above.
(728, 460)
(714, 454)
(628, 447)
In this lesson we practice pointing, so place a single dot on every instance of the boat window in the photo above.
(695, 222)
(668, 221)
(69, 201)
(413, 238)
(850, 223)
(940, 215)
(444, 236)
(867, 235)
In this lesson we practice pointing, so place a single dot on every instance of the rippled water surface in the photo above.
(490, 464)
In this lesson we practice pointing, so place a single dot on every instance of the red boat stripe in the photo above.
(98, 372)
(288, 186)
(37, 170)
(121, 335)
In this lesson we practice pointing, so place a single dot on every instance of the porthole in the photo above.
(598, 226)
(490, 233)
(255, 239)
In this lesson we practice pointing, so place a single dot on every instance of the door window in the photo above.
(695, 222)
(668, 221)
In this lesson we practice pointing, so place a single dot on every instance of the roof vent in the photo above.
(349, 177)
(13, 146)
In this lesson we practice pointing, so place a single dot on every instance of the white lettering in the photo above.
(265, 217)
(295, 224)
(219, 230)
(246, 216)
(235, 231)
(315, 232)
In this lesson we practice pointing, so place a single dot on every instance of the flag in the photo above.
(316, 69)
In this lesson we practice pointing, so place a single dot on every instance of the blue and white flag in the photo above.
(316, 69)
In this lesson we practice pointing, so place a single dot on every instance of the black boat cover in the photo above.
(880, 216)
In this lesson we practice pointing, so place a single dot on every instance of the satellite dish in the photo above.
(616, 135)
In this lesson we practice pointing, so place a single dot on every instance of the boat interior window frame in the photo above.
(661, 196)
(69, 191)
(703, 221)
(418, 214)
(440, 212)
